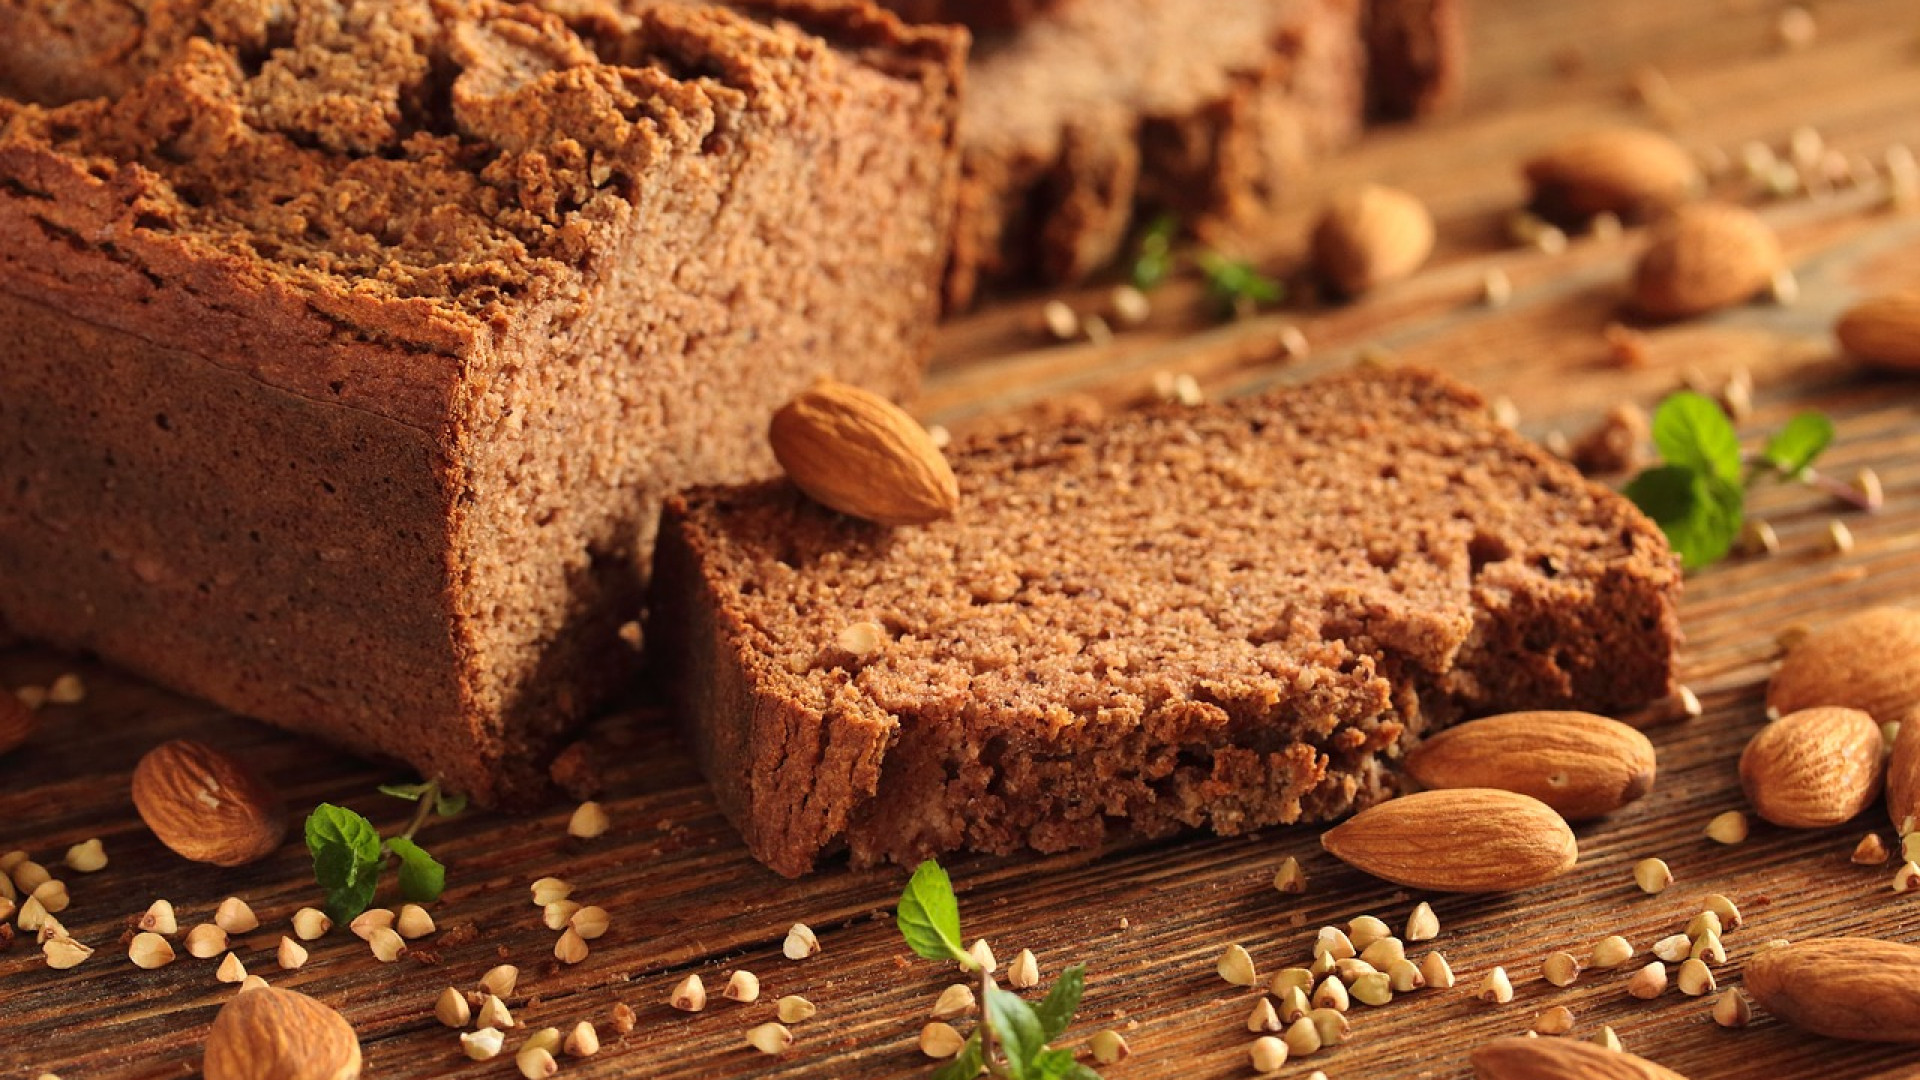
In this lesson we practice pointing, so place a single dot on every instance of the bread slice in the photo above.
(1083, 116)
(348, 347)
(1225, 617)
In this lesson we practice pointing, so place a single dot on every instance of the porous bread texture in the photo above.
(351, 346)
(1225, 617)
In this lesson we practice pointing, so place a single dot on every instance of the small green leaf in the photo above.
(449, 803)
(1153, 254)
(1700, 515)
(422, 878)
(1018, 1029)
(409, 792)
(1057, 1009)
(1235, 283)
(346, 859)
(929, 916)
(967, 1064)
(1060, 1065)
(1797, 444)
(1691, 430)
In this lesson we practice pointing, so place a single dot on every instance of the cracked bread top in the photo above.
(453, 156)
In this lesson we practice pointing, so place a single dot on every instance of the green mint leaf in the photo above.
(1059, 1065)
(1018, 1029)
(1700, 514)
(1153, 254)
(421, 877)
(1057, 1009)
(929, 916)
(1691, 430)
(1235, 284)
(967, 1064)
(449, 803)
(1797, 444)
(409, 792)
(346, 859)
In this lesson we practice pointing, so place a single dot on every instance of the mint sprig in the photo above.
(1698, 494)
(348, 853)
(1010, 1040)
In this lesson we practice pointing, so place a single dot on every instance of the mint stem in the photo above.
(986, 1029)
(1839, 489)
(428, 800)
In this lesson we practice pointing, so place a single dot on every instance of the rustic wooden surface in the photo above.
(1150, 919)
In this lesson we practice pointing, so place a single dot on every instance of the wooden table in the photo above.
(1149, 920)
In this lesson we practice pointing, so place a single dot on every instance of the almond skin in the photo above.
(273, 1034)
(1581, 765)
(16, 722)
(1903, 773)
(1370, 236)
(1884, 331)
(1457, 840)
(1561, 1059)
(856, 452)
(1705, 257)
(207, 806)
(1625, 171)
(1814, 768)
(1869, 661)
(1844, 988)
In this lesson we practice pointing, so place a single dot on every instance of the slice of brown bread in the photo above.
(1224, 617)
(1084, 114)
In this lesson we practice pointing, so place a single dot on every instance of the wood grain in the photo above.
(1150, 919)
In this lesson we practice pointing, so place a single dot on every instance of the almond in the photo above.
(1625, 171)
(1869, 661)
(16, 722)
(272, 1034)
(207, 806)
(1370, 236)
(1457, 840)
(1705, 257)
(1843, 988)
(1580, 764)
(1884, 330)
(1814, 768)
(1561, 1059)
(1903, 774)
(858, 453)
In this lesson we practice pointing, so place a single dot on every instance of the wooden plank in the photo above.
(1148, 919)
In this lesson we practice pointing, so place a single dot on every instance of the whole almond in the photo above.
(856, 452)
(1370, 236)
(1869, 661)
(1884, 330)
(16, 722)
(1903, 774)
(207, 806)
(1705, 257)
(1844, 988)
(273, 1034)
(1626, 171)
(1457, 840)
(1580, 764)
(1814, 768)
(1561, 1059)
